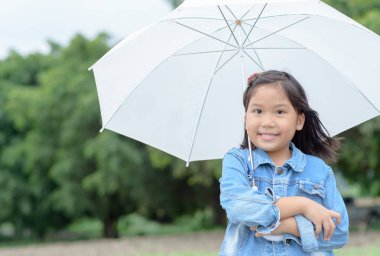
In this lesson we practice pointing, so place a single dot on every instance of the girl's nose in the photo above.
(267, 121)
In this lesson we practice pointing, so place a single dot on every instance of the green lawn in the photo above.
(184, 254)
(362, 251)
(350, 251)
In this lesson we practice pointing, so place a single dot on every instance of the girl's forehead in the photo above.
(272, 89)
(270, 96)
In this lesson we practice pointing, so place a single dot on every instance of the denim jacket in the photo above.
(302, 175)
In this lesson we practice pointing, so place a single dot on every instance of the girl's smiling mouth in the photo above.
(266, 136)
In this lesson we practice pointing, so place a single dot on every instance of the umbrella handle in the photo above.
(273, 238)
(250, 177)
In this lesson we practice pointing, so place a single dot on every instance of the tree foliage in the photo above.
(55, 165)
(53, 158)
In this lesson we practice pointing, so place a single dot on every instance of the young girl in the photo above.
(281, 198)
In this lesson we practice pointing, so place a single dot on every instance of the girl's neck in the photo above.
(280, 158)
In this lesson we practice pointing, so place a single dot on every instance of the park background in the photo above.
(62, 180)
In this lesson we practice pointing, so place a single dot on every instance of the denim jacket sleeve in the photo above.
(242, 203)
(307, 237)
(306, 229)
(339, 238)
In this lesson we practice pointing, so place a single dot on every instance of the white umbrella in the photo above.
(177, 84)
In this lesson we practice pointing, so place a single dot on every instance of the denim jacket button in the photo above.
(316, 186)
(279, 170)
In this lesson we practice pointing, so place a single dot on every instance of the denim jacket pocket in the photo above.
(313, 190)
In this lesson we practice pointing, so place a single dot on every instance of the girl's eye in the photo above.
(280, 112)
(257, 111)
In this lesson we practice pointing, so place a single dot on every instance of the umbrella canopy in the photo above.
(177, 84)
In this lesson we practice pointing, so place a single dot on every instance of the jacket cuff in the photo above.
(273, 226)
(288, 238)
(306, 229)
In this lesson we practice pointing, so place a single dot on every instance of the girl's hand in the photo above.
(257, 233)
(322, 218)
(287, 226)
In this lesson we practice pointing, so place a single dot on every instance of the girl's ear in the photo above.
(300, 121)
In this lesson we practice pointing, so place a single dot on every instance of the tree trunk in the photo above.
(219, 214)
(110, 227)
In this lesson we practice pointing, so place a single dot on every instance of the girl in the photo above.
(282, 188)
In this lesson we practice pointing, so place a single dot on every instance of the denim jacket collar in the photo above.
(297, 161)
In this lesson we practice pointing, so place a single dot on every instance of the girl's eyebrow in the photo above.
(255, 105)
(281, 105)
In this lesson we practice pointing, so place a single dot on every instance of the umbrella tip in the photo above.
(187, 163)
(101, 130)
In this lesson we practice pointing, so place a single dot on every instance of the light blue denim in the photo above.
(302, 175)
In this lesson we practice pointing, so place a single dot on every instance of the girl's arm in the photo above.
(287, 226)
(334, 201)
(336, 233)
(243, 204)
(320, 216)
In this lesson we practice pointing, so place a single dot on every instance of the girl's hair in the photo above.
(313, 139)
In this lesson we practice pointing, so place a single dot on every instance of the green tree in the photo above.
(360, 161)
(20, 70)
(179, 189)
(115, 160)
(58, 166)
(22, 191)
(89, 169)
(56, 155)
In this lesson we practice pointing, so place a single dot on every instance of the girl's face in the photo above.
(271, 121)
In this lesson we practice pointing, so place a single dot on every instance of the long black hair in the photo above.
(313, 139)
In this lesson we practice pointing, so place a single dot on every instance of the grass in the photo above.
(184, 254)
(136, 225)
(359, 250)
(129, 225)
(351, 251)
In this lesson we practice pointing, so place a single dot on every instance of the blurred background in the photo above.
(62, 180)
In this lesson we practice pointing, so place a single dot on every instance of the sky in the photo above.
(26, 25)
